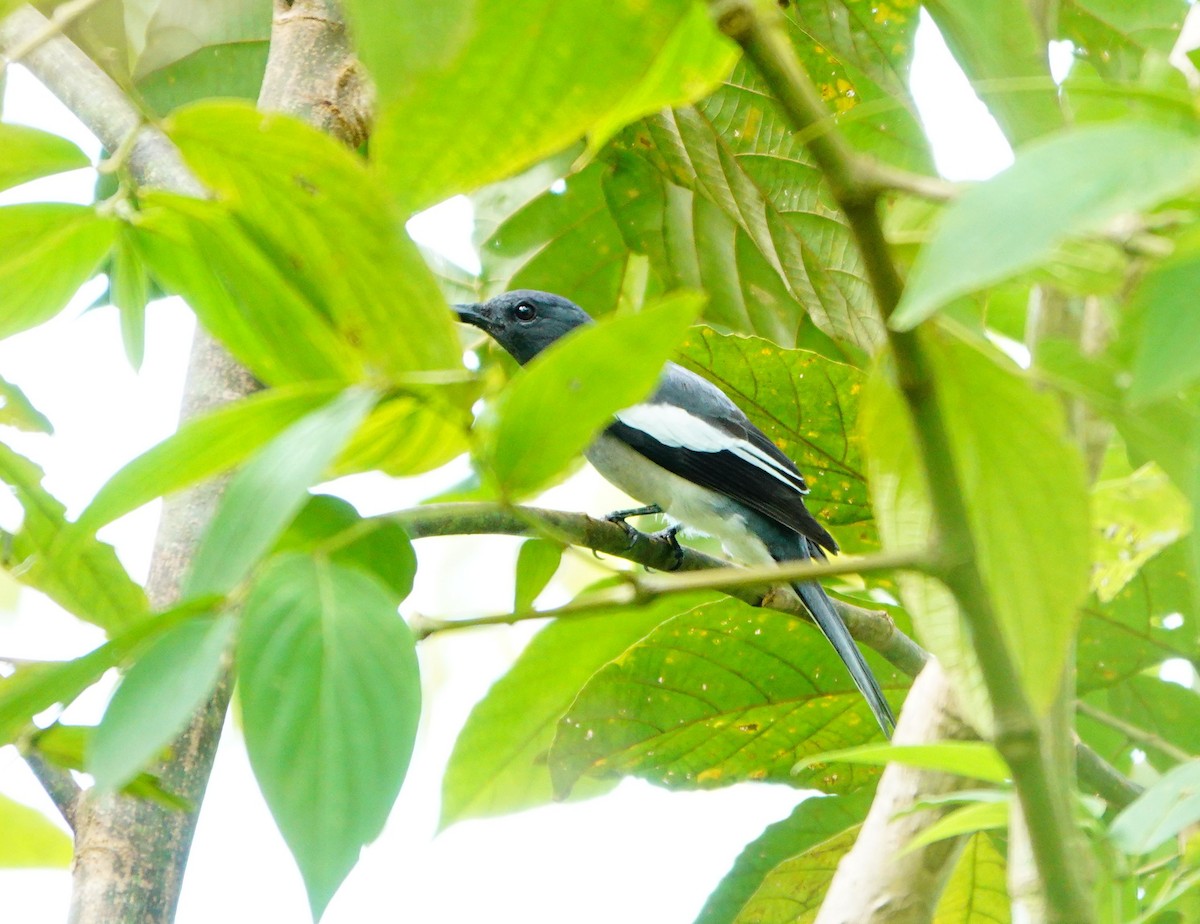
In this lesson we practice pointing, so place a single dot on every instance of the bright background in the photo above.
(659, 853)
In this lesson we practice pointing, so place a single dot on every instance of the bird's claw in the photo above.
(620, 517)
(668, 535)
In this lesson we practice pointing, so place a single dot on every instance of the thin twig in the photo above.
(1141, 737)
(64, 14)
(64, 792)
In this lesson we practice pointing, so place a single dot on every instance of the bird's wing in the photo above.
(723, 453)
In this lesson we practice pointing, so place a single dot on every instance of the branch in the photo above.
(64, 792)
(878, 881)
(871, 627)
(1139, 736)
(754, 25)
(874, 628)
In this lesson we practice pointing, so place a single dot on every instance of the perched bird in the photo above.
(689, 451)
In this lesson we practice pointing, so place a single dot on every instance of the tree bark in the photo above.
(877, 882)
(130, 854)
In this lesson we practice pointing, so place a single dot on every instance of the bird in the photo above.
(689, 452)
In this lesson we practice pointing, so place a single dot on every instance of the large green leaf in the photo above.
(470, 93)
(1135, 518)
(313, 209)
(34, 688)
(1012, 222)
(774, 875)
(900, 496)
(47, 251)
(331, 696)
(18, 412)
(408, 434)
(1150, 620)
(162, 32)
(1114, 36)
(162, 690)
(203, 447)
(1017, 467)
(1146, 714)
(718, 695)
(330, 527)
(264, 496)
(232, 70)
(561, 241)
(250, 303)
(1168, 357)
(1001, 49)
(499, 760)
(1164, 810)
(553, 407)
(806, 404)
(81, 574)
(30, 153)
(31, 839)
(977, 892)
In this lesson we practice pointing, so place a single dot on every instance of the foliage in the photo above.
(624, 155)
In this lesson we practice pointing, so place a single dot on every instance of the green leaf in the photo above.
(1012, 222)
(129, 286)
(31, 839)
(499, 760)
(30, 153)
(1135, 517)
(691, 63)
(563, 241)
(975, 759)
(1015, 464)
(406, 435)
(161, 691)
(230, 71)
(379, 546)
(17, 411)
(36, 687)
(330, 701)
(900, 497)
(718, 695)
(967, 819)
(47, 251)
(241, 296)
(778, 862)
(65, 746)
(73, 568)
(553, 407)
(1168, 357)
(163, 31)
(202, 448)
(316, 212)
(1000, 46)
(537, 561)
(806, 404)
(264, 496)
(1130, 633)
(447, 123)
(1115, 36)
(1161, 812)
(1152, 711)
(977, 892)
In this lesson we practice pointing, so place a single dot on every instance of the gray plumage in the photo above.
(689, 450)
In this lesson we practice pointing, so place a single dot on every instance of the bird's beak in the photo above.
(475, 315)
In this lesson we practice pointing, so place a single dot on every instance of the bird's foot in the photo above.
(620, 517)
(668, 535)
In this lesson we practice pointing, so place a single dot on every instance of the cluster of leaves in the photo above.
(622, 155)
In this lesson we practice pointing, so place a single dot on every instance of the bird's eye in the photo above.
(525, 312)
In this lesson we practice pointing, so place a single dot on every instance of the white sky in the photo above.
(639, 854)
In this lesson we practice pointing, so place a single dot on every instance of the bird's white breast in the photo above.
(690, 504)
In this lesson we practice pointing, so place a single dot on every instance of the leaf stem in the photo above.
(754, 24)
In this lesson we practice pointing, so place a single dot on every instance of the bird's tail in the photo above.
(831, 625)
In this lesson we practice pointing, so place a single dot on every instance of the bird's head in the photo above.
(524, 321)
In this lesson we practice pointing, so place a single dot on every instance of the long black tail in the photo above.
(835, 630)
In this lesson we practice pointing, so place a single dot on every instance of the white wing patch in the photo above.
(675, 427)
